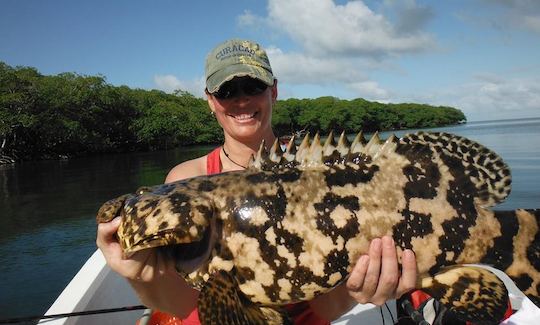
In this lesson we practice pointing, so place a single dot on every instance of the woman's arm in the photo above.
(155, 280)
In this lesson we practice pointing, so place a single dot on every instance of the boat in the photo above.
(96, 288)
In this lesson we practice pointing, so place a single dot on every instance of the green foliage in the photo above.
(69, 114)
(329, 113)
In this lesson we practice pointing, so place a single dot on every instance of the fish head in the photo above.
(172, 217)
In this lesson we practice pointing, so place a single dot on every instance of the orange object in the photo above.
(161, 318)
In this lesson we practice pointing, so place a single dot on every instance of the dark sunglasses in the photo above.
(248, 86)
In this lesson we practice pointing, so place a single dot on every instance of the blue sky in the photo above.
(481, 56)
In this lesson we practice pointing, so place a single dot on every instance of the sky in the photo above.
(481, 56)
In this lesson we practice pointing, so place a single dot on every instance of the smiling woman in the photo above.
(241, 91)
(245, 114)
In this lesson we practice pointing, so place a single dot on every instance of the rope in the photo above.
(77, 313)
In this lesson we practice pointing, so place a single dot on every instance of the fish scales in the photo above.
(292, 226)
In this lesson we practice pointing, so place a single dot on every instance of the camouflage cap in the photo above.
(237, 58)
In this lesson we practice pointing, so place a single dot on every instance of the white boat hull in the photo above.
(95, 287)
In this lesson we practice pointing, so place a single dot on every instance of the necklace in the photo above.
(228, 157)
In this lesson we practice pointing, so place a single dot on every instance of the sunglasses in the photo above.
(233, 88)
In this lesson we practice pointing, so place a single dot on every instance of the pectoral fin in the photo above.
(222, 303)
(474, 294)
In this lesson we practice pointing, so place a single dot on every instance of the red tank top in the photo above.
(301, 312)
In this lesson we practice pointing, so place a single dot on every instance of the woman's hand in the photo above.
(152, 277)
(142, 266)
(376, 277)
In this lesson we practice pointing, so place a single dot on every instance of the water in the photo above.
(47, 219)
(47, 209)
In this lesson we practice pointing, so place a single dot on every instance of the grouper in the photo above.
(292, 225)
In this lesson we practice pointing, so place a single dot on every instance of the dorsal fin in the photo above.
(261, 159)
(276, 153)
(303, 150)
(315, 155)
(343, 146)
(358, 143)
(316, 143)
(329, 145)
(389, 146)
(290, 152)
(481, 166)
(251, 162)
(373, 145)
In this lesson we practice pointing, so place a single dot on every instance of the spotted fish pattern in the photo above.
(292, 225)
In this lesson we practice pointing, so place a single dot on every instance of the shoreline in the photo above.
(6, 159)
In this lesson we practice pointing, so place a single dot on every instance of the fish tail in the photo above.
(473, 293)
(516, 251)
(475, 168)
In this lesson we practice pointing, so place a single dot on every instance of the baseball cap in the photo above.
(237, 58)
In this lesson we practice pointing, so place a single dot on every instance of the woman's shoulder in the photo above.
(187, 169)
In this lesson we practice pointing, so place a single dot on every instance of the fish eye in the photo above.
(142, 190)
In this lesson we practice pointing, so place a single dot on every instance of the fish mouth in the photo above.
(189, 257)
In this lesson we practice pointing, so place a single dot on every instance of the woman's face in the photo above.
(243, 108)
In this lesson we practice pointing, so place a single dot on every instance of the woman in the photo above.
(241, 91)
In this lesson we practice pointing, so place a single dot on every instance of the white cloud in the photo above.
(169, 83)
(531, 22)
(300, 68)
(504, 98)
(409, 17)
(247, 19)
(325, 28)
(341, 44)
(489, 97)
(371, 90)
(524, 14)
(348, 73)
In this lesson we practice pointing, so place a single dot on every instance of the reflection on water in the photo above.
(48, 208)
(47, 219)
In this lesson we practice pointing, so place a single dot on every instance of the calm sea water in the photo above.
(47, 209)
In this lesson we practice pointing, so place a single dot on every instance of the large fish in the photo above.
(292, 225)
